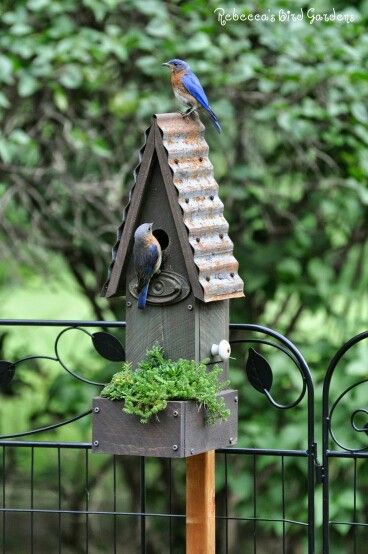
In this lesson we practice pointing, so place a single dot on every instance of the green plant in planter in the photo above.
(147, 389)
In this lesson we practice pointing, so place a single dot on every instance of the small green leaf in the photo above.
(4, 102)
(27, 84)
(5, 153)
(37, 5)
(101, 148)
(61, 100)
(6, 70)
(19, 136)
(360, 112)
(71, 76)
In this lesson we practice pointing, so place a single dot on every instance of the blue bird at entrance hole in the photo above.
(147, 260)
(188, 89)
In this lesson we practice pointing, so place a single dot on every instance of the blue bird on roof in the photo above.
(188, 89)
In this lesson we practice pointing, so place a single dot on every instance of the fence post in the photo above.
(200, 504)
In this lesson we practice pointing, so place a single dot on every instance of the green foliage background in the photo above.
(79, 84)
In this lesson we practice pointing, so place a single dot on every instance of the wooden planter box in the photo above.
(179, 433)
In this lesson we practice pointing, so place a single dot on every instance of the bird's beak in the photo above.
(166, 64)
(151, 224)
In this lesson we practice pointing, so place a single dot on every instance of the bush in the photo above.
(146, 390)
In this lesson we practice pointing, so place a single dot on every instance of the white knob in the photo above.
(223, 350)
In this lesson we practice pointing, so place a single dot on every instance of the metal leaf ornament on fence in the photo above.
(108, 346)
(7, 370)
(259, 371)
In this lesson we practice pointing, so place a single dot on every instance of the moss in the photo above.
(147, 389)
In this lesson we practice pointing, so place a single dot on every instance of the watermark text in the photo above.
(284, 16)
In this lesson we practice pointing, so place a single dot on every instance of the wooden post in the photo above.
(200, 508)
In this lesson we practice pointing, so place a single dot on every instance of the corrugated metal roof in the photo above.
(193, 177)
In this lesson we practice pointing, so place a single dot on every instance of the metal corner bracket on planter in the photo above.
(179, 431)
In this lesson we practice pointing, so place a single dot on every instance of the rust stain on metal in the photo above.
(203, 211)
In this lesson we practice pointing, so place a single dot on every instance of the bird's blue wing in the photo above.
(153, 255)
(145, 261)
(194, 87)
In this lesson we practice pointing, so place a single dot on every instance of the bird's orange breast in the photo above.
(176, 78)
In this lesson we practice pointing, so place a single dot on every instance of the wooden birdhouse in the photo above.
(187, 309)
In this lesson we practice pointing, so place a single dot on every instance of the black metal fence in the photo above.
(348, 458)
(59, 497)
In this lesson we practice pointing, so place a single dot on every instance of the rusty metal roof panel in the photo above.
(193, 178)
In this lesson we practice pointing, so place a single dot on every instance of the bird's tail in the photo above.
(142, 298)
(214, 119)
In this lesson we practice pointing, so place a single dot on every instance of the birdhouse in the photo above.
(187, 310)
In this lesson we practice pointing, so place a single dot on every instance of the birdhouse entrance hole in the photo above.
(162, 237)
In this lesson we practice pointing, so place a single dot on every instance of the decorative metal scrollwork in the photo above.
(259, 371)
(108, 346)
(105, 344)
(260, 374)
(330, 412)
(363, 429)
(165, 288)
